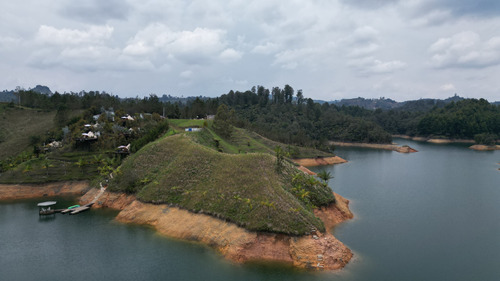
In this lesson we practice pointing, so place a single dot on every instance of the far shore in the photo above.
(28, 191)
(393, 147)
(434, 140)
(479, 147)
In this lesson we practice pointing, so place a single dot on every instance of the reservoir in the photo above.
(430, 215)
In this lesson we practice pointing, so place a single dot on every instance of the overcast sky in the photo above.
(331, 49)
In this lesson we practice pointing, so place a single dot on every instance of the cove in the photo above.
(431, 215)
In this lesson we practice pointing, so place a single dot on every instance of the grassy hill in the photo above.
(241, 141)
(237, 179)
(243, 188)
(18, 124)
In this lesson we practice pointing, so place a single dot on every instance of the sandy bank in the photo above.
(24, 191)
(481, 147)
(321, 251)
(445, 141)
(319, 161)
(393, 147)
(431, 140)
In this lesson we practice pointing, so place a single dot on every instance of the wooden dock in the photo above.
(77, 210)
(85, 207)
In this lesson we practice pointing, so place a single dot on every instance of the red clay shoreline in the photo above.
(478, 147)
(393, 147)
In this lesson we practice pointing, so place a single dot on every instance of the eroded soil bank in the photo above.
(481, 147)
(25, 191)
(393, 147)
(314, 251)
(319, 161)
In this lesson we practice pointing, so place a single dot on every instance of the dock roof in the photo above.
(46, 204)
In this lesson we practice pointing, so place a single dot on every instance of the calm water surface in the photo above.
(431, 215)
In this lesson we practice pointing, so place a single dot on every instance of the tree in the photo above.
(46, 164)
(325, 176)
(222, 121)
(62, 116)
(280, 157)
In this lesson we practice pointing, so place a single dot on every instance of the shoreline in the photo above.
(28, 191)
(478, 147)
(318, 161)
(393, 147)
(317, 251)
(482, 147)
(433, 140)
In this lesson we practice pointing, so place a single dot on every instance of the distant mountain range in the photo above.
(382, 103)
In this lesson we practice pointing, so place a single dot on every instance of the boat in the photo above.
(74, 206)
(45, 208)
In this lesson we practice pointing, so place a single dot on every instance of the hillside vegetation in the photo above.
(246, 189)
(17, 125)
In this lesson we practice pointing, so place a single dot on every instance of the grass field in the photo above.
(186, 123)
(243, 141)
(17, 125)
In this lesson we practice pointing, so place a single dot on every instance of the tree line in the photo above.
(287, 116)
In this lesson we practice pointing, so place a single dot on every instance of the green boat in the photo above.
(74, 206)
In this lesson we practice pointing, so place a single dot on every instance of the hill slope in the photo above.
(243, 188)
(17, 125)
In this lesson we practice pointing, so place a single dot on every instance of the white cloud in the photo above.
(465, 50)
(370, 65)
(447, 87)
(7, 41)
(81, 50)
(386, 66)
(64, 36)
(230, 54)
(201, 40)
(291, 59)
(434, 17)
(266, 49)
(323, 47)
(186, 74)
(189, 46)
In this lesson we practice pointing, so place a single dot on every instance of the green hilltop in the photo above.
(248, 188)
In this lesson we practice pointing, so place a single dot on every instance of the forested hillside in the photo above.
(284, 116)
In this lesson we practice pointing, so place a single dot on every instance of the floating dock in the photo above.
(45, 208)
(77, 210)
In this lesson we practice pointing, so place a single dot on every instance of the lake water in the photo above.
(431, 215)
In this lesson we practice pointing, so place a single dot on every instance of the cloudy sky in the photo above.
(331, 49)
